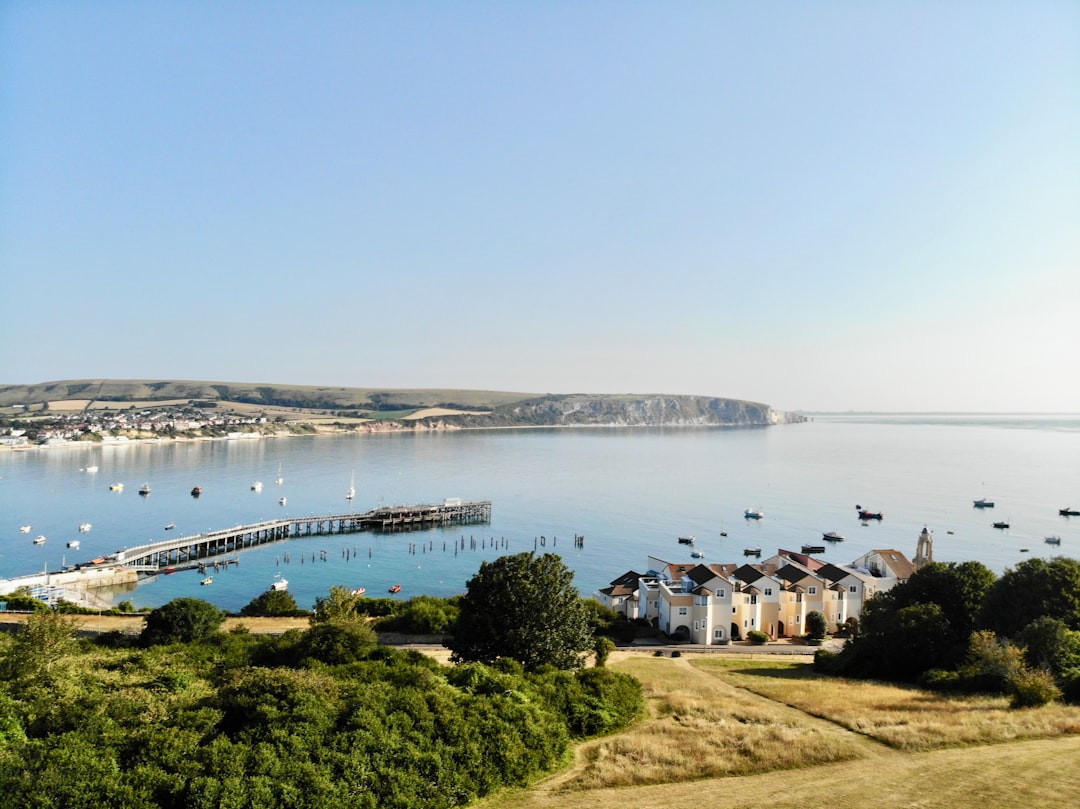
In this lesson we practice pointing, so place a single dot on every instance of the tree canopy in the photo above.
(523, 607)
(184, 620)
(1033, 589)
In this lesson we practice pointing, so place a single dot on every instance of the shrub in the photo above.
(757, 637)
(827, 662)
(1033, 687)
(183, 620)
(816, 625)
(603, 648)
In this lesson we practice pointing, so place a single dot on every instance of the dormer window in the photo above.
(812, 590)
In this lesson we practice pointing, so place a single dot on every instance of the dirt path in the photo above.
(133, 624)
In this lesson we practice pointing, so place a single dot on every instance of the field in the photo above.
(725, 732)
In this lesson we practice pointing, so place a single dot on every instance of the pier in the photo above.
(200, 550)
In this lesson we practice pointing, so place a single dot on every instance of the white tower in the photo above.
(924, 552)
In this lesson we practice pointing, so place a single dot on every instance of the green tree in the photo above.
(339, 605)
(183, 620)
(816, 625)
(1033, 589)
(272, 602)
(41, 648)
(524, 607)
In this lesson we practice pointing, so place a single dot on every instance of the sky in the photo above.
(822, 206)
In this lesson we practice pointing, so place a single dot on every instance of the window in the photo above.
(718, 634)
(720, 593)
(853, 589)
(682, 610)
(733, 610)
(753, 599)
(751, 622)
(768, 591)
(812, 590)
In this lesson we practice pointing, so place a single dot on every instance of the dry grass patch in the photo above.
(902, 717)
(699, 727)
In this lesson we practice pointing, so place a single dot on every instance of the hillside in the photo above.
(400, 408)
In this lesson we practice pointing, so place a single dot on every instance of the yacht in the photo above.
(279, 583)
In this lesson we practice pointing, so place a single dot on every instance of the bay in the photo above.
(629, 492)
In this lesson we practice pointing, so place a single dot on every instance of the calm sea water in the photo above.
(630, 492)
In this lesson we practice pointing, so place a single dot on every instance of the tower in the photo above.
(924, 551)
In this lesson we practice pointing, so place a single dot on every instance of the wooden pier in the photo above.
(202, 549)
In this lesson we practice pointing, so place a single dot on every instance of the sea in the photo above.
(628, 493)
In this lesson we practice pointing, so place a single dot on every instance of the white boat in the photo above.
(25, 529)
(753, 514)
(351, 493)
(207, 581)
(84, 527)
(145, 489)
(833, 536)
(281, 501)
(39, 539)
(279, 479)
(359, 591)
(256, 486)
(91, 469)
(73, 544)
(697, 554)
(280, 583)
(116, 487)
(170, 526)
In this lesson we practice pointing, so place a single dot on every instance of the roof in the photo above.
(897, 563)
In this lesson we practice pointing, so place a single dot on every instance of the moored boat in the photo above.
(686, 540)
(753, 514)
(282, 501)
(170, 526)
(279, 583)
(865, 515)
(39, 539)
(256, 486)
(395, 588)
(697, 554)
(84, 527)
(196, 491)
(984, 504)
(359, 591)
(1001, 524)
(1052, 540)
(74, 543)
(751, 551)
(833, 536)
(1068, 512)
(145, 489)
(207, 581)
(813, 549)
(25, 529)
(116, 487)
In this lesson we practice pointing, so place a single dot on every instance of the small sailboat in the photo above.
(279, 479)
(351, 493)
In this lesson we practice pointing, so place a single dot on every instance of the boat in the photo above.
(1068, 512)
(686, 540)
(833, 536)
(74, 543)
(395, 588)
(1001, 524)
(39, 539)
(279, 583)
(351, 493)
(170, 526)
(208, 580)
(25, 529)
(196, 491)
(813, 549)
(870, 515)
(1054, 540)
(279, 479)
(751, 551)
(281, 500)
(697, 554)
(256, 486)
(984, 504)
(359, 591)
(116, 487)
(91, 469)
(84, 527)
(145, 489)
(753, 514)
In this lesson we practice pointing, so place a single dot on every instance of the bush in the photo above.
(603, 648)
(757, 637)
(1033, 687)
(826, 662)
(816, 625)
(183, 620)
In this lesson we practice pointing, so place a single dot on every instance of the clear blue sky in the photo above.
(817, 205)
